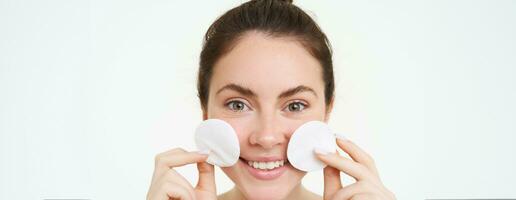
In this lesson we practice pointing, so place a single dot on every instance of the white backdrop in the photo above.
(91, 90)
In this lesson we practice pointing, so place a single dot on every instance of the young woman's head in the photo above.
(265, 68)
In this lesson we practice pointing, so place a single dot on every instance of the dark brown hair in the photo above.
(275, 18)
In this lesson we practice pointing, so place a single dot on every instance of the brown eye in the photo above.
(237, 106)
(296, 107)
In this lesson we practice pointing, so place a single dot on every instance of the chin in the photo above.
(272, 192)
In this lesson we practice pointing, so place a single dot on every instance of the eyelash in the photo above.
(304, 105)
(227, 105)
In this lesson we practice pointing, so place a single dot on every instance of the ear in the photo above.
(204, 115)
(329, 109)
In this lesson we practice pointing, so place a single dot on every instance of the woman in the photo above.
(266, 68)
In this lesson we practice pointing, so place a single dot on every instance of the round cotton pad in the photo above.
(304, 140)
(220, 139)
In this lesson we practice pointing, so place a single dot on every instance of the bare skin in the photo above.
(265, 88)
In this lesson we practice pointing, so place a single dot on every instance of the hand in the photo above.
(168, 184)
(361, 167)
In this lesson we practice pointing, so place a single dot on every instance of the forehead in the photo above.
(268, 65)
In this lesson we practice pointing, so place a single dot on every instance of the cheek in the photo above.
(245, 126)
(230, 171)
(242, 126)
(288, 126)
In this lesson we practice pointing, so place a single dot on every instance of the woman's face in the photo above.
(266, 88)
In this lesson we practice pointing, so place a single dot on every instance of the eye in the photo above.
(237, 106)
(296, 107)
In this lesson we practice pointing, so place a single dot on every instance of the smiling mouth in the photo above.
(265, 165)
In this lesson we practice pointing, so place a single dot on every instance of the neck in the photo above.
(299, 192)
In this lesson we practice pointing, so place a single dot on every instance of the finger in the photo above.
(357, 154)
(348, 166)
(171, 191)
(353, 190)
(364, 196)
(173, 177)
(348, 191)
(206, 177)
(332, 182)
(179, 157)
(175, 158)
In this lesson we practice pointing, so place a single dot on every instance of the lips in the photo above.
(267, 168)
(266, 165)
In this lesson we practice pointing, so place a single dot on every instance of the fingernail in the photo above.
(204, 152)
(340, 136)
(320, 151)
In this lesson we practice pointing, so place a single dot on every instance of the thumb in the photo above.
(206, 177)
(332, 182)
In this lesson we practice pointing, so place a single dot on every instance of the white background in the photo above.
(91, 90)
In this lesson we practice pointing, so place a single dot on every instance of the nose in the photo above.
(267, 133)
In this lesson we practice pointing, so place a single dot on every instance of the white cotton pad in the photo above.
(304, 140)
(220, 139)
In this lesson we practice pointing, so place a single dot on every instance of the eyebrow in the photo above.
(248, 92)
(237, 88)
(298, 89)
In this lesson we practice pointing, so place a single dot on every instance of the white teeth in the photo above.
(271, 165)
(262, 165)
(266, 165)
